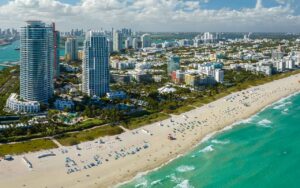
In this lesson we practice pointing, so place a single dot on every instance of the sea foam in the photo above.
(265, 123)
(185, 168)
(207, 149)
(184, 184)
(155, 182)
(281, 105)
(141, 182)
(215, 141)
(285, 111)
(174, 178)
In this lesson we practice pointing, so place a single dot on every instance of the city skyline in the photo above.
(158, 15)
(100, 102)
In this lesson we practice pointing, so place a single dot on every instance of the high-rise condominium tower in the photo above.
(71, 49)
(146, 40)
(173, 64)
(95, 67)
(117, 40)
(56, 42)
(36, 61)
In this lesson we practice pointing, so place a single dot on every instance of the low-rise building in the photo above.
(157, 78)
(141, 77)
(17, 105)
(191, 79)
(122, 65)
(120, 78)
(166, 89)
(62, 104)
(178, 76)
(116, 95)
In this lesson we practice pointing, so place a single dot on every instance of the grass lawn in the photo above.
(183, 109)
(27, 146)
(70, 139)
(90, 123)
(144, 120)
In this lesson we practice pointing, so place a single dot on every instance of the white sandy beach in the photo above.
(111, 161)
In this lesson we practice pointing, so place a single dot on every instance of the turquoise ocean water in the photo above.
(262, 151)
(9, 54)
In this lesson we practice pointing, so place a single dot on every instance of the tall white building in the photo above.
(197, 42)
(135, 42)
(128, 42)
(290, 64)
(36, 61)
(117, 40)
(71, 49)
(208, 37)
(219, 75)
(95, 65)
(281, 66)
(297, 58)
(146, 40)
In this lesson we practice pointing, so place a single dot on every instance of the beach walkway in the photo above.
(56, 142)
(124, 129)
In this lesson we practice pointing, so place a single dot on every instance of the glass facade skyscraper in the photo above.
(173, 64)
(117, 41)
(95, 65)
(56, 42)
(36, 61)
(71, 49)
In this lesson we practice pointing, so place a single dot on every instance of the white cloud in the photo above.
(285, 1)
(150, 15)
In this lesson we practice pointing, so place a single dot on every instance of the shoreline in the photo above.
(190, 130)
(205, 138)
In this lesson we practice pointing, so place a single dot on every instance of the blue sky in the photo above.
(215, 4)
(157, 15)
(211, 4)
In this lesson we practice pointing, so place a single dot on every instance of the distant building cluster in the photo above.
(94, 59)
(205, 38)
(203, 74)
(268, 67)
(8, 32)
